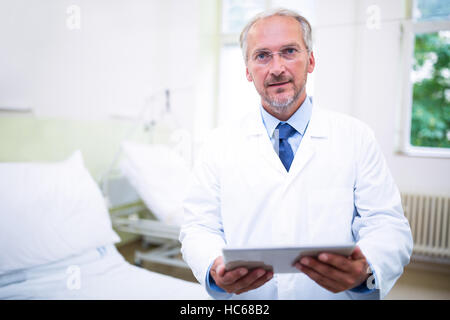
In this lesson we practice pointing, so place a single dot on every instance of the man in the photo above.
(292, 174)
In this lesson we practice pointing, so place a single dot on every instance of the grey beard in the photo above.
(280, 106)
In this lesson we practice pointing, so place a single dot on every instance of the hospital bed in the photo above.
(101, 274)
(145, 183)
(145, 198)
(57, 240)
(162, 237)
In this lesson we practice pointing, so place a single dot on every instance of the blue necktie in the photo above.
(285, 151)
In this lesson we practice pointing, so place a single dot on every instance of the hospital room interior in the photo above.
(105, 104)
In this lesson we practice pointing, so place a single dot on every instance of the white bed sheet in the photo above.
(103, 274)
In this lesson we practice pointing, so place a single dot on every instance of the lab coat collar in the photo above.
(299, 120)
(318, 126)
(318, 129)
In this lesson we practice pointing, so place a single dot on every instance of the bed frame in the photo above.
(161, 236)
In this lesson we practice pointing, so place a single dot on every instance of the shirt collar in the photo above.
(299, 120)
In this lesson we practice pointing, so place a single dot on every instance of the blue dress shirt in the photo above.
(299, 121)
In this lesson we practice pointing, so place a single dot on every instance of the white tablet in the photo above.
(278, 259)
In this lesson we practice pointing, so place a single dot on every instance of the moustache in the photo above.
(276, 80)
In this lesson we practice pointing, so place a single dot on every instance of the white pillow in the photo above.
(160, 176)
(49, 211)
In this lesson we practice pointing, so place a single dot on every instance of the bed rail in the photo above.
(127, 218)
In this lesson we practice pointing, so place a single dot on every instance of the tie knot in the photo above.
(285, 130)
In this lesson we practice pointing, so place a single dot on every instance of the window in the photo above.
(237, 96)
(428, 128)
(236, 13)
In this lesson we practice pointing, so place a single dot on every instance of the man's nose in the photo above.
(277, 65)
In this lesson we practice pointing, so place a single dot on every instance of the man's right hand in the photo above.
(238, 280)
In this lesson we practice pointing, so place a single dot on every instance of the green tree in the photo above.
(431, 108)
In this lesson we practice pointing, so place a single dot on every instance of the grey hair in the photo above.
(306, 27)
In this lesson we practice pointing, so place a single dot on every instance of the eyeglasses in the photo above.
(265, 57)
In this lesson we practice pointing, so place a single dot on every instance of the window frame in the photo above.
(227, 39)
(409, 29)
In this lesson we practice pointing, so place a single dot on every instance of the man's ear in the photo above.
(312, 62)
(248, 75)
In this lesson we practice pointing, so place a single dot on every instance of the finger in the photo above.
(221, 275)
(232, 276)
(248, 280)
(220, 270)
(321, 280)
(218, 262)
(258, 283)
(357, 254)
(327, 271)
(337, 261)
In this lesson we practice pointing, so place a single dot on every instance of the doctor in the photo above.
(292, 174)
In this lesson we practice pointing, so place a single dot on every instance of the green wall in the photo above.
(26, 138)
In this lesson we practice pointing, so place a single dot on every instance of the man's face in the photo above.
(280, 82)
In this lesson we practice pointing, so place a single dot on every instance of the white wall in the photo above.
(359, 71)
(125, 50)
(122, 53)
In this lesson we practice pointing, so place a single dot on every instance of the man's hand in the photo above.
(336, 273)
(238, 280)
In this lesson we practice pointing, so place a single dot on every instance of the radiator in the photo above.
(429, 218)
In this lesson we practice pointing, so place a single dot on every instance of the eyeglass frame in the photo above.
(280, 53)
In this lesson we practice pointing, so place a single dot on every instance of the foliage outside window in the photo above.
(430, 126)
(430, 116)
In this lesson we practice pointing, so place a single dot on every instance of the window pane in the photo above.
(432, 10)
(431, 91)
(236, 13)
(306, 8)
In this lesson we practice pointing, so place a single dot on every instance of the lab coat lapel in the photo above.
(267, 151)
(257, 131)
(317, 129)
(303, 155)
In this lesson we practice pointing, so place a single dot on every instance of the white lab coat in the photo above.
(338, 190)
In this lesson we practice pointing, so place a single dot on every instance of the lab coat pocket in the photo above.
(330, 214)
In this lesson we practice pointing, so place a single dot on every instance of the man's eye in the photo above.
(290, 51)
(261, 56)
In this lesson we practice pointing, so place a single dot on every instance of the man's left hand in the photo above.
(334, 272)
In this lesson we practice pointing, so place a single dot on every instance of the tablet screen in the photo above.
(278, 259)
